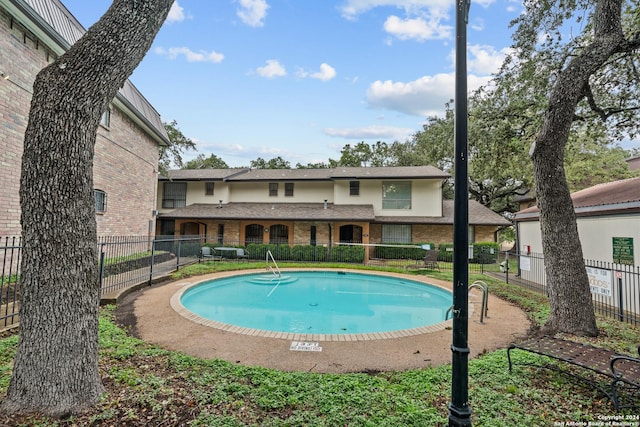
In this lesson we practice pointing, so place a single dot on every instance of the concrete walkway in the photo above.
(149, 314)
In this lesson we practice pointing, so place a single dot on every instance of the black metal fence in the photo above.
(125, 261)
(615, 288)
(10, 254)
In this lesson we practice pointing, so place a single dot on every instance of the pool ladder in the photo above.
(485, 300)
(276, 271)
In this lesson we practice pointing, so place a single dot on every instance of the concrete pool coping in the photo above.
(176, 304)
(149, 314)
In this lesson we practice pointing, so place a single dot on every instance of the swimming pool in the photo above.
(318, 302)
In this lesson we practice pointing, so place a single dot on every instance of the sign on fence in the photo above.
(525, 263)
(599, 281)
(623, 250)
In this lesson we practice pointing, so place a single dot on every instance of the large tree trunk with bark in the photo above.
(56, 366)
(571, 304)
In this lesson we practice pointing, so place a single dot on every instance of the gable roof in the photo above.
(52, 22)
(389, 172)
(609, 198)
(275, 211)
(478, 214)
(324, 174)
(201, 174)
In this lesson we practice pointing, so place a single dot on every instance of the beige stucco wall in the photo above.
(196, 193)
(426, 197)
(596, 235)
(303, 192)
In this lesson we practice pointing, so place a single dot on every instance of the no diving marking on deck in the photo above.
(305, 346)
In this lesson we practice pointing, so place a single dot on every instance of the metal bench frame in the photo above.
(619, 368)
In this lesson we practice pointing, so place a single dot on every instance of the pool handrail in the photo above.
(275, 272)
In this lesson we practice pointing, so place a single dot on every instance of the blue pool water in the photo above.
(319, 302)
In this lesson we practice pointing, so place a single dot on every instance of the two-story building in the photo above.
(315, 206)
(33, 33)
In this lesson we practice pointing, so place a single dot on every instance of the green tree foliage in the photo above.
(202, 162)
(319, 165)
(171, 155)
(275, 163)
(364, 155)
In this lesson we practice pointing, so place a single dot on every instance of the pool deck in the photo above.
(155, 315)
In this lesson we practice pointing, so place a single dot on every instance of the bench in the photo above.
(620, 369)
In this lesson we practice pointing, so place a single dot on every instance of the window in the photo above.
(396, 195)
(278, 234)
(396, 233)
(105, 119)
(288, 189)
(174, 195)
(208, 188)
(220, 233)
(101, 201)
(273, 189)
(313, 235)
(354, 188)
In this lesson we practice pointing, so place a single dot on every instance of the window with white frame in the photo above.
(105, 119)
(174, 195)
(396, 195)
(101, 200)
(396, 233)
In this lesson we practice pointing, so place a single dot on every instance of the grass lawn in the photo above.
(149, 386)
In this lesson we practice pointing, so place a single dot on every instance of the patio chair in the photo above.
(206, 253)
(241, 254)
(431, 260)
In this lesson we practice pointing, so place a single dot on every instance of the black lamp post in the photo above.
(459, 410)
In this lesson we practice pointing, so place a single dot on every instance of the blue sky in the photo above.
(301, 78)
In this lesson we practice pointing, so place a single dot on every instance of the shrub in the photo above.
(483, 252)
(347, 254)
(309, 253)
(391, 252)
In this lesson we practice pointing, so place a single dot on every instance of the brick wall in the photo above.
(125, 158)
(437, 234)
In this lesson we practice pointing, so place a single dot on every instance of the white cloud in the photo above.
(477, 24)
(253, 12)
(352, 8)
(371, 132)
(176, 14)
(190, 56)
(272, 70)
(417, 28)
(423, 97)
(485, 59)
(326, 73)
(422, 20)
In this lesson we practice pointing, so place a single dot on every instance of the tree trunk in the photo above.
(56, 366)
(571, 304)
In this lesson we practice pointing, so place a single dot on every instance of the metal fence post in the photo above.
(103, 251)
(153, 253)
(620, 299)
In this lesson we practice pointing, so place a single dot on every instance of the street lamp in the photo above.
(459, 410)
